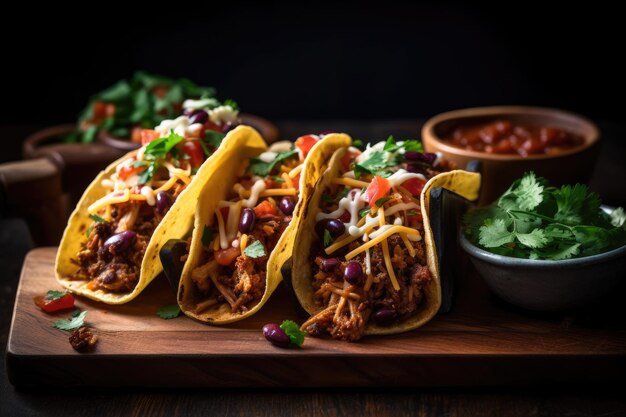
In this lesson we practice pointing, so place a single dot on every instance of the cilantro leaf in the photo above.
(232, 104)
(213, 138)
(357, 143)
(495, 233)
(169, 312)
(618, 217)
(328, 239)
(76, 312)
(411, 213)
(261, 168)
(390, 145)
(71, 324)
(255, 250)
(525, 194)
(344, 193)
(379, 203)
(97, 218)
(534, 239)
(207, 235)
(376, 162)
(292, 330)
(147, 174)
(363, 212)
(55, 295)
(278, 179)
(158, 148)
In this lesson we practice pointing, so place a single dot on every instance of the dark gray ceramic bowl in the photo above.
(549, 285)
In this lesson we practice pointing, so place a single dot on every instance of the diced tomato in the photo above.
(127, 171)
(193, 149)
(345, 217)
(305, 143)
(347, 158)
(416, 219)
(160, 91)
(109, 110)
(227, 256)
(99, 110)
(296, 181)
(414, 186)
(378, 188)
(148, 135)
(209, 125)
(49, 306)
(135, 134)
(264, 208)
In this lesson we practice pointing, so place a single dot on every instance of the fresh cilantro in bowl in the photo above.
(533, 220)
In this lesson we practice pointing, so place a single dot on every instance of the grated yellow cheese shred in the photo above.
(408, 244)
(109, 199)
(351, 182)
(294, 172)
(389, 265)
(169, 184)
(222, 231)
(269, 193)
(243, 242)
(287, 179)
(393, 229)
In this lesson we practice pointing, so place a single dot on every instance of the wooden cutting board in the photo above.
(483, 341)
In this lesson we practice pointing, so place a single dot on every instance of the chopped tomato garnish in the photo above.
(414, 186)
(414, 219)
(378, 188)
(160, 91)
(264, 208)
(48, 305)
(345, 217)
(127, 171)
(305, 143)
(227, 256)
(209, 125)
(99, 110)
(193, 149)
(347, 158)
(135, 134)
(148, 135)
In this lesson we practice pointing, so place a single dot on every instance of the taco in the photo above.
(109, 249)
(246, 218)
(364, 258)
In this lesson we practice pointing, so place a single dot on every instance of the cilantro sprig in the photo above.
(169, 312)
(259, 167)
(255, 250)
(76, 321)
(292, 330)
(379, 161)
(535, 221)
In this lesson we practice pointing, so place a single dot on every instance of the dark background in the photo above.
(289, 60)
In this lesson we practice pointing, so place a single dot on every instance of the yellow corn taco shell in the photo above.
(175, 223)
(464, 183)
(216, 188)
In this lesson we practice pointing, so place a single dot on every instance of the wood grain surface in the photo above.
(482, 336)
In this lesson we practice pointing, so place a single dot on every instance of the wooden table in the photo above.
(548, 400)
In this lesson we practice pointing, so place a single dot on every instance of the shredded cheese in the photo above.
(112, 198)
(351, 182)
(393, 229)
(287, 179)
(243, 242)
(408, 245)
(389, 265)
(270, 192)
(294, 172)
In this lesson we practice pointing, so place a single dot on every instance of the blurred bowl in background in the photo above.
(569, 166)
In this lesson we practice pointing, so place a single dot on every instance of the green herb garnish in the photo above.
(411, 213)
(363, 212)
(344, 193)
(260, 168)
(72, 323)
(277, 179)
(213, 138)
(158, 148)
(379, 203)
(97, 218)
(328, 239)
(255, 250)
(147, 174)
(292, 330)
(327, 199)
(55, 295)
(207, 235)
(532, 220)
(169, 312)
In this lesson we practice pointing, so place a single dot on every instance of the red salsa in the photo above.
(505, 137)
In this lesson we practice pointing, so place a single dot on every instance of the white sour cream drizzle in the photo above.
(372, 221)
(351, 203)
(148, 192)
(402, 175)
(268, 156)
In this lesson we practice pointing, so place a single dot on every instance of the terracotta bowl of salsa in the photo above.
(510, 140)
